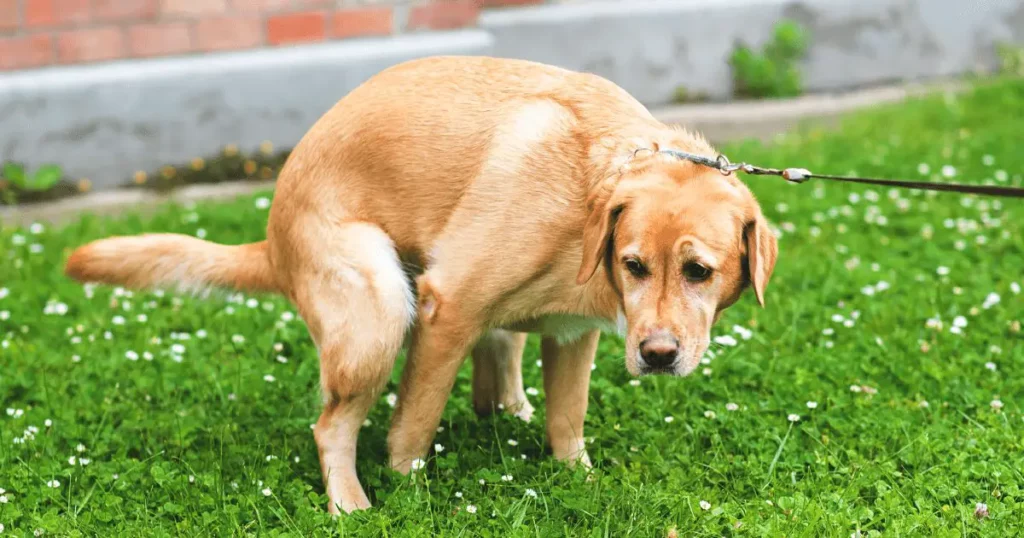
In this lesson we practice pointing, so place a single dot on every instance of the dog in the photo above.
(454, 204)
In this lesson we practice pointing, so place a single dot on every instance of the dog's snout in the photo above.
(659, 351)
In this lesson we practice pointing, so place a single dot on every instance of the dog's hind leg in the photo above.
(357, 303)
(498, 374)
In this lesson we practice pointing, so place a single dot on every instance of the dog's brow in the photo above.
(689, 244)
(631, 250)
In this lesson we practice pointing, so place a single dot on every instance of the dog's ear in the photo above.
(762, 250)
(603, 208)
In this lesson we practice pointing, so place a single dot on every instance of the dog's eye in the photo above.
(636, 268)
(695, 272)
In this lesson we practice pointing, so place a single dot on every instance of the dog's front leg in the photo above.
(439, 346)
(498, 374)
(566, 387)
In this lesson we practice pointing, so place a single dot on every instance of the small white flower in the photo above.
(948, 171)
(513, 442)
(506, 478)
(996, 404)
(117, 320)
(669, 419)
(262, 202)
(731, 407)
(3, 500)
(282, 359)
(923, 169)
(1015, 288)
(48, 423)
(72, 460)
(532, 391)
(238, 339)
(438, 447)
(4, 292)
(725, 340)
(709, 414)
(201, 333)
(634, 382)
(391, 399)
(178, 349)
(942, 270)
(131, 355)
(269, 378)
(418, 464)
(267, 492)
(991, 300)
(471, 508)
(531, 493)
(922, 404)
(812, 405)
(80, 448)
(53, 483)
(990, 366)
(793, 417)
(704, 505)
(84, 461)
(960, 322)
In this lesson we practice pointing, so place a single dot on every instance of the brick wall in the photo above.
(39, 33)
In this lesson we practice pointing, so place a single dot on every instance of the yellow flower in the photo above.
(84, 185)
(198, 163)
(249, 167)
(140, 177)
(230, 150)
(168, 172)
(266, 147)
(266, 172)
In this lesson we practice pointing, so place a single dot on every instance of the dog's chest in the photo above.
(566, 328)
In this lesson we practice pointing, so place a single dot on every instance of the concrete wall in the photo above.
(104, 121)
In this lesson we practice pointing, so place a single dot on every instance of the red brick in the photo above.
(159, 39)
(77, 46)
(362, 22)
(296, 28)
(55, 12)
(262, 6)
(228, 33)
(26, 52)
(444, 15)
(8, 15)
(132, 10)
(191, 8)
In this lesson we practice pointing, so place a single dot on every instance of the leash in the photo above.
(801, 175)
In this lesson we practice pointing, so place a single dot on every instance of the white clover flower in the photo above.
(238, 339)
(531, 493)
(669, 419)
(996, 404)
(923, 169)
(725, 340)
(990, 366)
(793, 417)
(513, 442)
(391, 399)
(634, 382)
(131, 355)
(267, 492)
(471, 508)
(53, 483)
(418, 464)
(262, 202)
(704, 505)
(942, 270)
(709, 414)
(506, 478)
(269, 378)
(731, 407)
(948, 171)
(438, 447)
(532, 391)
(812, 405)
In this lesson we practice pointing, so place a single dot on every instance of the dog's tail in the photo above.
(172, 261)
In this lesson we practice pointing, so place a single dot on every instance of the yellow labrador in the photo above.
(465, 201)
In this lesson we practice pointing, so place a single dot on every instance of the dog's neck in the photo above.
(610, 155)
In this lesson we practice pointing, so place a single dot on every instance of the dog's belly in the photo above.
(566, 328)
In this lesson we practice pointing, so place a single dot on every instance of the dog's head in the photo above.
(680, 243)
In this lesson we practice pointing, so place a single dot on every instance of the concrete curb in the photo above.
(721, 123)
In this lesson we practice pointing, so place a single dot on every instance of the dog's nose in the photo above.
(659, 351)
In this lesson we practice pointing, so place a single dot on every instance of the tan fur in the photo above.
(462, 202)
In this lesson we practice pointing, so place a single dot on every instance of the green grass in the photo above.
(186, 446)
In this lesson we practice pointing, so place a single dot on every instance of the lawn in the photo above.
(879, 391)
